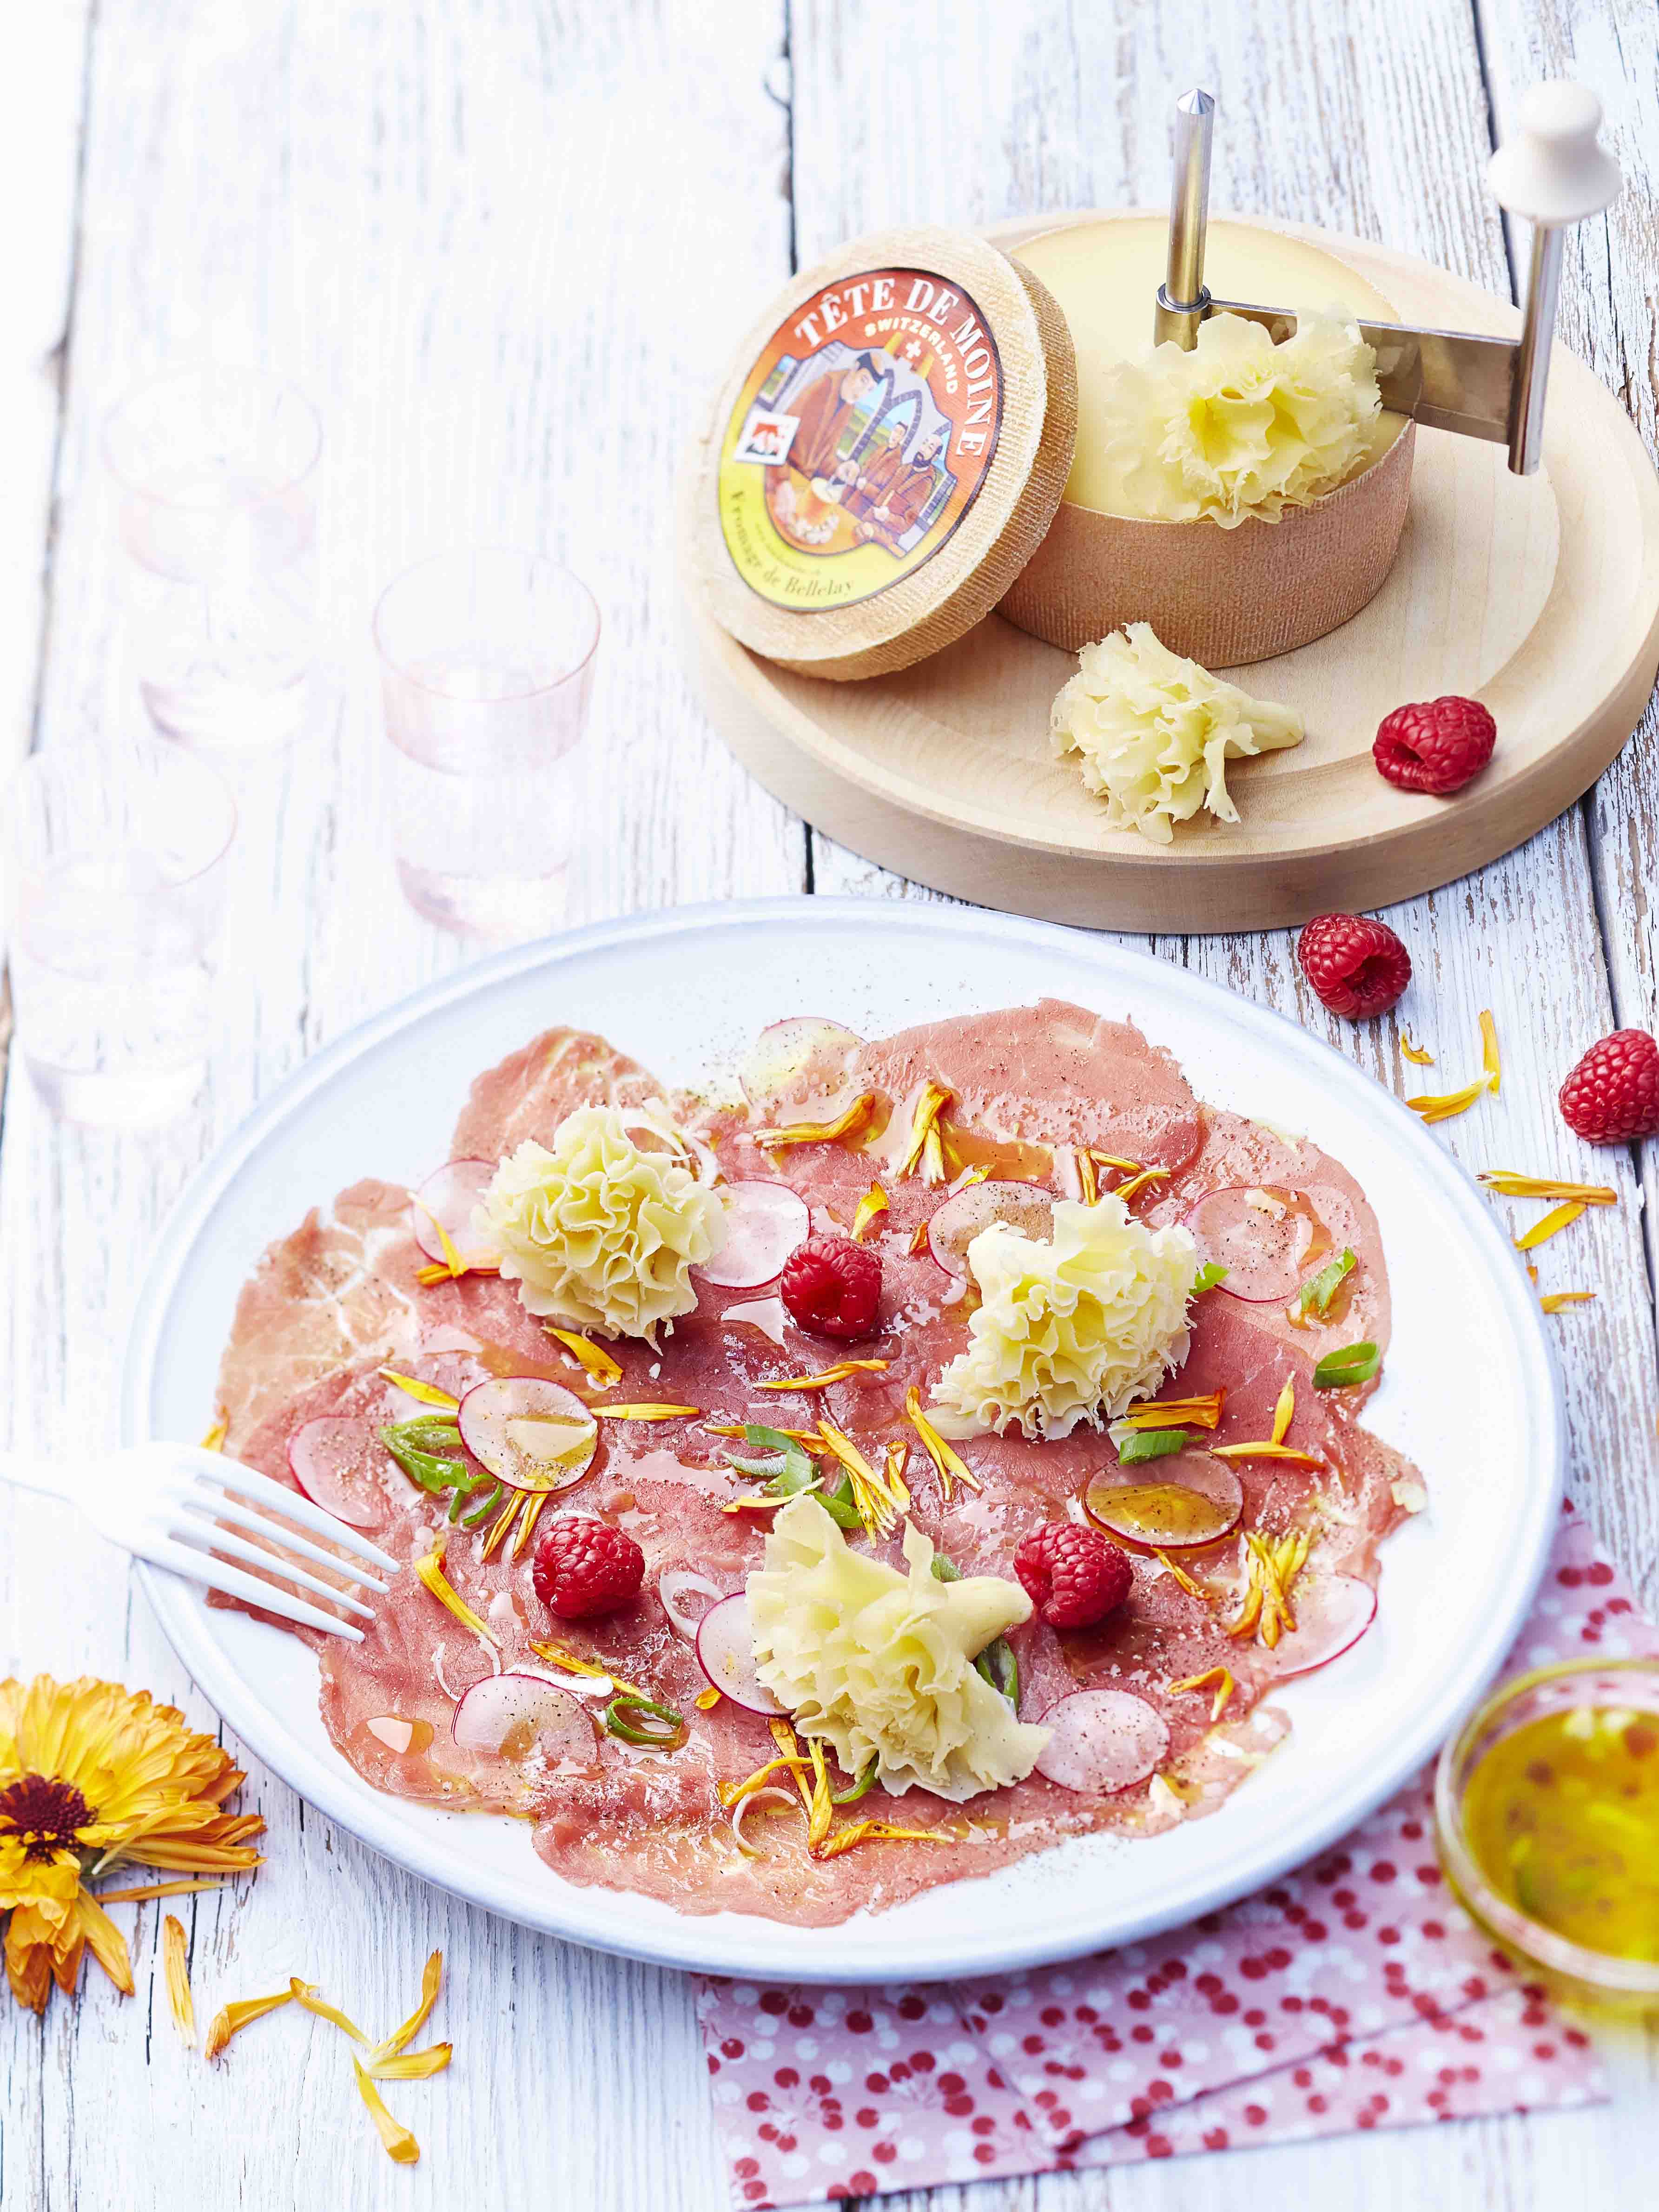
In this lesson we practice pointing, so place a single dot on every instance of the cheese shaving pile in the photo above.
(1154, 733)
(1075, 1329)
(598, 1232)
(880, 1665)
(1239, 427)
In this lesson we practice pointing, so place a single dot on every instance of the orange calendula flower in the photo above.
(93, 1777)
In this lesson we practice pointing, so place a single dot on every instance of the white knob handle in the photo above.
(1552, 171)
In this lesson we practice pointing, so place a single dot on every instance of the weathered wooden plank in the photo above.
(1372, 120)
(1608, 318)
(456, 229)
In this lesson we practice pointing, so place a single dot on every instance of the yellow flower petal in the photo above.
(839, 1371)
(1489, 1059)
(230, 2019)
(399, 2144)
(1442, 1107)
(817, 1133)
(428, 1394)
(310, 1999)
(1284, 1411)
(175, 1965)
(215, 1438)
(1557, 1218)
(411, 2065)
(593, 1359)
(1508, 1184)
(1555, 1299)
(948, 1464)
(1203, 1413)
(431, 1976)
(1415, 1052)
(870, 1207)
(431, 1573)
(648, 1412)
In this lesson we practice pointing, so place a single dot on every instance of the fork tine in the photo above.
(205, 1537)
(231, 1474)
(223, 1509)
(198, 1567)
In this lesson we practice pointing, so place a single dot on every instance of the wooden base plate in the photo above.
(1539, 596)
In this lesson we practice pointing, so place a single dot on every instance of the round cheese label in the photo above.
(859, 439)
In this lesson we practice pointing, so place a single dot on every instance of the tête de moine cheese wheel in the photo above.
(1224, 597)
(886, 455)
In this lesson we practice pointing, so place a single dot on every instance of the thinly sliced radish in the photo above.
(1101, 1739)
(337, 1460)
(764, 1222)
(530, 1433)
(679, 1590)
(766, 1315)
(451, 1194)
(1265, 1239)
(957, 1223)
(1332, 1612)
(512, 1715)
(805, 1054)
(1197, 1501)
(726, 1652)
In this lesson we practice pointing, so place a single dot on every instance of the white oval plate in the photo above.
(1470, 1392)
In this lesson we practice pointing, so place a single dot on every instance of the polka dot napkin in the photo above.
(1354, 1993)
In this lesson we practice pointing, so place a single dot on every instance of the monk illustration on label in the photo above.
(903, 496)
(876, 470)
(824, 411)
(860, 438)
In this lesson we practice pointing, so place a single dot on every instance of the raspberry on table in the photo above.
(1612, 1096)
(1073, 1576)
(582, 1566)
(1357, 967)
(832, 1286)
(1437, 745)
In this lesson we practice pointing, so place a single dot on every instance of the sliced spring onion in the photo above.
(624, 1715)
(1208, 1277)
(861, 1787)
(1000, 1667)
(1151, 1443)
(1316, 1293)
(410, 1444)
(1353, 1363)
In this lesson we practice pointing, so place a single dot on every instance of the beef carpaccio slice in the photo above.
(339, 1299)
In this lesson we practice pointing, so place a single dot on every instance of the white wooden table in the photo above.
(505, 245)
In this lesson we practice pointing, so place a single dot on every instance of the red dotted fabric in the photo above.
(1356, 1994)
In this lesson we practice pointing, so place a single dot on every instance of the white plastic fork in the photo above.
(167, 1503)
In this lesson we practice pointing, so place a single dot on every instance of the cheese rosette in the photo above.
(1238, 427)
(601, 1232)
(1073, 1330)
(879, 1664)
(1152, 733)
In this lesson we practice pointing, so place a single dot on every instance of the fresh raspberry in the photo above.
(582, 1566)
(1613, 1095)
(833, 1286)
(1437, 746)
(1358, 967)
(1071, 1575)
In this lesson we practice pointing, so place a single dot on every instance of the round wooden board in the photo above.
(1539, 596)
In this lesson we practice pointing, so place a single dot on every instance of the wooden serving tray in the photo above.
(1539, 596)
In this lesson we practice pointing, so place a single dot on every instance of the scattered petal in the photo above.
(175, 1965)
(1557, 1218)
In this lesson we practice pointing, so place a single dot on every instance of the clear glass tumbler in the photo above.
(486, 667)
(216, 472)
(115, 880)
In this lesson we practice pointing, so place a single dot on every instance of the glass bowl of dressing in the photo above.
(1547, 1813)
